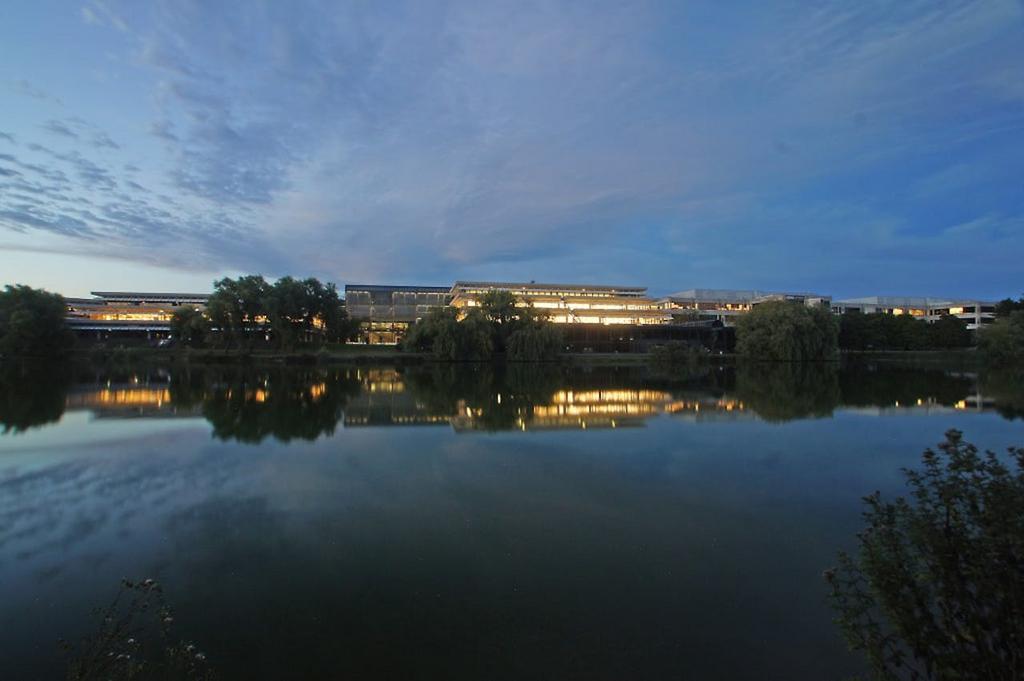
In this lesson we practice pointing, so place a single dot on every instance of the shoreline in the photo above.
(361, 354)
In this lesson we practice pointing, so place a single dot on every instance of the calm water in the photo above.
(458, 522)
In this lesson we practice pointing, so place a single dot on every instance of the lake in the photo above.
(462, 522)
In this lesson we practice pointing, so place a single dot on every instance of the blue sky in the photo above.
(846, 148)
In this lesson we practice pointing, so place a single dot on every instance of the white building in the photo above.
(725, 305)
(974, 312)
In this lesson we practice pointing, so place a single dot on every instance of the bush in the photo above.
(784, 331)
(1003, 341)
(677, 354)
(937, 588)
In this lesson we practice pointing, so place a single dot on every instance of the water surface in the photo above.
(462, 522)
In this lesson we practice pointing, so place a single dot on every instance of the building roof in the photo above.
(148, 295)
(909, 301)
(734, 295)
(388, 287)
(553, 287)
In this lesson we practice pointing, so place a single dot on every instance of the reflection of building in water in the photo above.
(707, 408)
(928, 405)
(384, 401)
(123, 400)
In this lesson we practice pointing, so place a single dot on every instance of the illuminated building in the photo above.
(129, 313)
(724, 305)
(571, 303)
(385, 312)
(974, 312)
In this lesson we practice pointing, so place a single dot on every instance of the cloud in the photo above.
(163, 130)
(7, 136)
(101, 140)
(59, 128)
(27, 89)
(690, 142)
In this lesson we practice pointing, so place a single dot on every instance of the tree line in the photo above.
(879, 331)
(789, 332)
(250, 310)
(498, 327)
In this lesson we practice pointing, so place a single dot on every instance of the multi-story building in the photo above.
(725, 305)
(974, 312)
(385, 312)
(128, 313)
(571, 303)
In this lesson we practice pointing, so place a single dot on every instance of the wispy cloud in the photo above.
(424, 142)
(60, 129)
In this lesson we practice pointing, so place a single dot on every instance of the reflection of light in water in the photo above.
(120, 397)
(586, 396)
(381, 381)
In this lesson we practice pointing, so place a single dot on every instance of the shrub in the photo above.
(937, 588)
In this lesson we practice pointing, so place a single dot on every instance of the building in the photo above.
(974, 312)
(724, 305)
(385, 312)
(126, 314)
(571, 303)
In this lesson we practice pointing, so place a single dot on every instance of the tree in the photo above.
(784, 331)
(288, 306)
(497, 326)
(936, 590)
(948, 332)
(33, 322)
(236, 307)
(447, 338)
(1002, 342)
(540, 342)
(1007, 306)
(189, 326)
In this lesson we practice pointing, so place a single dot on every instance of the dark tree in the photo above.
(1007, 306)
(499, 326)
(1002, 343)
(783, 331)
(936, 590)
(948, 332)
(189, 326)
(32, 322)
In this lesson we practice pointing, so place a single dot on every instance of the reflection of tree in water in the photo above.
(32, 394)
(1006, 388)
(249, 406)
(865, 384)
(497, 395)
(936, 590)
(783, 391)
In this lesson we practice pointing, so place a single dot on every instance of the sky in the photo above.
(843, 148)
